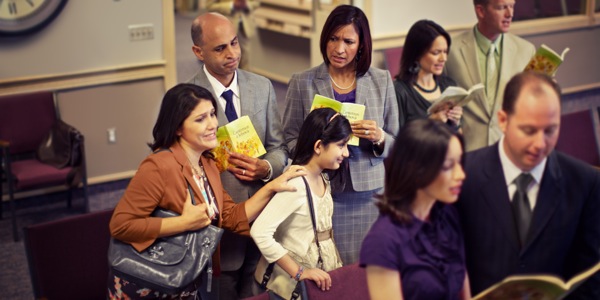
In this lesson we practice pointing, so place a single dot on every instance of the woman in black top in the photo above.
(420, 80)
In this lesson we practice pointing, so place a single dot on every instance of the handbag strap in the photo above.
(269, 271)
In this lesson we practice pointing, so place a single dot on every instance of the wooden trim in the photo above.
(270, 75)
(83, 79)
(170, 70)
(580, 88)
(111, 177)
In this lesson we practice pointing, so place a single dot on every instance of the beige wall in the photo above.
(131, 108)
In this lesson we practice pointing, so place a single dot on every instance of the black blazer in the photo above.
(564, 236)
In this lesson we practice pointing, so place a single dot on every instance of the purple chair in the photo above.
(578, 137)
(68, 258)
(347, 282)
(25, 121)
(392, 60)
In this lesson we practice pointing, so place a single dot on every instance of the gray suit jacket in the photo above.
(375, 90)
(259, 103)
(480, 121)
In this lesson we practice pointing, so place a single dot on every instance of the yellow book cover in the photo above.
(535, 287)
(546, 60)
(238, 136)
(352, 111)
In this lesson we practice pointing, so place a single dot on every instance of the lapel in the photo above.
(182, 159)
(322, 82)
(508, 65)
(468, 51)
(548, 199)
(248, 95)
(495, 194)
(362, 89)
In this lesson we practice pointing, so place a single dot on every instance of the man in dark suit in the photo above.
(216, 45)
(524, 207)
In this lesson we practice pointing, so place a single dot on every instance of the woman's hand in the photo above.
(366, 129)
(320, 277)
(194, 217)
(280, 184)
(440, 115)
(455, 114)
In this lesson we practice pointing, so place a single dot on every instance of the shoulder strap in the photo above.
(314, 222)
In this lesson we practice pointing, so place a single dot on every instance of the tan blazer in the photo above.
(161, 181)
(480, 120)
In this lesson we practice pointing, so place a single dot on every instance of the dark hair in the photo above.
(418, 41)
(414, 162)
(518, 83)
(480, 2)
(345, 15)
(319, 125)
(176, 106)
(196, 32)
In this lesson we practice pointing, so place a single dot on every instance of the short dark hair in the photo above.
(518, 83)
(320, 124)
(414, 162)
(418, 41)
(196, 32)
(345, 15)
(480, 2)
(176, 106)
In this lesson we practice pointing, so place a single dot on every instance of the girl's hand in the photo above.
(320, 277)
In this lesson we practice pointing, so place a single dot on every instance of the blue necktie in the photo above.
(229, 108)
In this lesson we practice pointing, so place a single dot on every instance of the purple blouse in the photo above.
(429, 255)
(348, 97)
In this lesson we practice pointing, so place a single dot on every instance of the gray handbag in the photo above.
(171, 263)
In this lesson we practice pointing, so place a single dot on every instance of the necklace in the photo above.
(424, 90)
(200, 173)
(342, 88)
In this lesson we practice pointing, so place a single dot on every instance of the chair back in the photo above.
(392, 60)
(25, 119)
(347, 282)
(68, 257)
(578, 137)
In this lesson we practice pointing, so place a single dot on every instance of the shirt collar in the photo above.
(511, 171)
(220, 88)
(484, 43)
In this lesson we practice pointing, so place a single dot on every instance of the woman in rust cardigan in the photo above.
(184, 134)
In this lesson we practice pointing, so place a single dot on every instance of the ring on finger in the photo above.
(366, 132)
(244, 172)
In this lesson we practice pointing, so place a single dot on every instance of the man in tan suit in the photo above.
(239, 13)
(490, 55)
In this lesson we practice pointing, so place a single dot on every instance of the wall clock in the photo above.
(20, 17)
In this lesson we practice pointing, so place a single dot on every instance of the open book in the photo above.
(351, 111)
(237, 136)
(456, 96)
(535, 287)
(546, 60)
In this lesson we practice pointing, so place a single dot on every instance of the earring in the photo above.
(414, 68)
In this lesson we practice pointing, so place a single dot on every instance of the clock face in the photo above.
(27, 16)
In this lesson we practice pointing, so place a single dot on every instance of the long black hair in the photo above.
(414, 162)
(177, 104)
(327, 125)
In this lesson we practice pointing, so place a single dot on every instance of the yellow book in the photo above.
(238, 136)
(535, 287)
(351, 111)
(546, 60)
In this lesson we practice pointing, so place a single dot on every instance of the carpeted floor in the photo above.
(15, 282)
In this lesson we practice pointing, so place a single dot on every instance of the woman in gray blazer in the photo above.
(346, 76)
